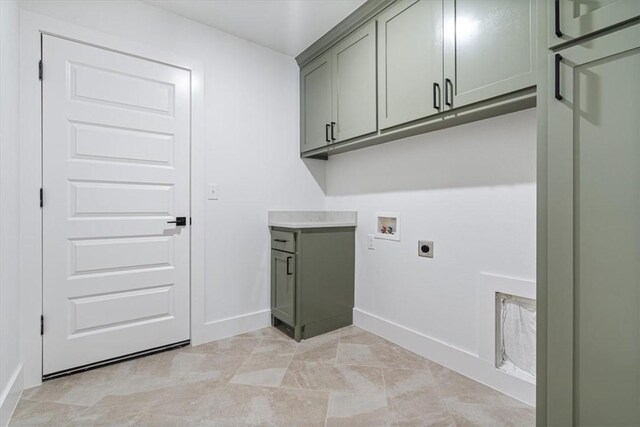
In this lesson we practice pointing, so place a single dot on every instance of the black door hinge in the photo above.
(190, 221)
(40, 69)
(41, 197)
(41, 325)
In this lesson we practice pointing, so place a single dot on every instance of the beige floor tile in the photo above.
(262, 371)
(348, 377)
(355, 335)
(214, 367)
(451, 384)
(331, 377)
(414, 399)
(231, 346)
(248, 405)
(381, 355)
(189, 400)
(49, 391)
(270, 348)
(358, 409)
(30, 413)
(474, 414)
(123, 415)
(318, 349)
(156, 420)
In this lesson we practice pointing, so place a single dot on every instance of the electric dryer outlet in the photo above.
(425, 248)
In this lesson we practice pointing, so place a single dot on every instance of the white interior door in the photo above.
(116, 132)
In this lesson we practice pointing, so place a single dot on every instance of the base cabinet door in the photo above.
(572, 19)
(409, 61)
(489, 49)
(283, 282)
(593, 301)
(315, 108)
(354, 85)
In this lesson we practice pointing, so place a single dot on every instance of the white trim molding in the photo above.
(32, 25)
(461, 361)
(231, 326)
(11, 395)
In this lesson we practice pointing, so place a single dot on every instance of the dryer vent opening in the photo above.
(516, 336)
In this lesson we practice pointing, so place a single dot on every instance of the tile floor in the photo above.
(346, 378)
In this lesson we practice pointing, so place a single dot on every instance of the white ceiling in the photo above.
(288, 26)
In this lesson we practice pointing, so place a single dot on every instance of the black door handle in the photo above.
(436, 98)
(557, 18)
(333, 126)
(180, 221)
(289, 273)
(448, 84)
(326, 133)
(558, 96)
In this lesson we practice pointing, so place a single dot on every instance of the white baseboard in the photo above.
(10, 396)
(225, 328)
(458, 360)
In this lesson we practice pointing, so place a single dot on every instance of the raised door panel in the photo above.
(315, 114)
(283, 286)
(594, 230)
(489, 49)
(354, 85)
(572, 19)
(410, 53)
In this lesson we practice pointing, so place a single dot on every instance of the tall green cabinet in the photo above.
(589, 277)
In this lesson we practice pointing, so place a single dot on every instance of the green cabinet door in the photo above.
(593, 260)
(315, 105)
(354, 84)
(489, 49)
(283, 284)
(572, 19)
(409, 61)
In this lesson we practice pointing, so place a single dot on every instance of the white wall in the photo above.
(251, 131)
(10, 363)
(471, 189)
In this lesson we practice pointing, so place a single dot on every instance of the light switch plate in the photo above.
(212, 191)
(371, 242)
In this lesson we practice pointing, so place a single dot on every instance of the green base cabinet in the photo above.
(312, 279)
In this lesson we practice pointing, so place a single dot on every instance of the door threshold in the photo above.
(115, 360)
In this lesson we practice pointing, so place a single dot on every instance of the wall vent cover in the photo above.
(516, 336)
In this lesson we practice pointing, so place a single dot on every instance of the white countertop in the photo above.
(313, 219)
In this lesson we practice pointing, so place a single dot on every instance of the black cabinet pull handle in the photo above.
(448, 84)
(289, 273)
(436, 98)
(333, 126)
(326, 133)
(280, 240)
(558, 59)
(557, 18)
(180, 221)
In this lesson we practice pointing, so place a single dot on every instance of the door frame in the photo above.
(30, 222)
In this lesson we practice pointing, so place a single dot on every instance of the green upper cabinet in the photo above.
(573, 19)
(404, 67)
(409, 61)
(354, 85)
(315, 107)
(489, 49)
